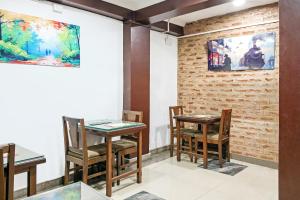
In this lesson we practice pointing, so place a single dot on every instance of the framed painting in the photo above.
(252, 52)
(32, 40)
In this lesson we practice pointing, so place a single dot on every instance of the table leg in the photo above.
(205, 146)
(178, 140)
(139, 157)
(31, 181)
(108, 166)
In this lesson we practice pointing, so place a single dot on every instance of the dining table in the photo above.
(75, 191)
(110, 129)
(26, 161)
(201, 120)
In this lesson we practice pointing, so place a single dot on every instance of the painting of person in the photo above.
(227, 63)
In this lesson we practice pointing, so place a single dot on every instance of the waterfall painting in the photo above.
(32, 40)
(250, 52)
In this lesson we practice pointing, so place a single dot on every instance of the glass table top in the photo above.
(23, 155)
(75, 191)
(111, 125)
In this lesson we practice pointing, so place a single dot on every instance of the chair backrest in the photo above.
(173, 111)
(7, 187)
(132, 116)
(75, 136)
(225, 124)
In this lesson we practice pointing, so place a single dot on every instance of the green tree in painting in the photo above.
(70, 45)
(32, 40)
(10, 49)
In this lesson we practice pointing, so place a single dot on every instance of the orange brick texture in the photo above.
(253, 95)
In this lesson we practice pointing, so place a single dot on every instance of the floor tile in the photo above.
(184, 180)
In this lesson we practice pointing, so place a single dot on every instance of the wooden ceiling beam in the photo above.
(98, 7)
(119, 13)
(163, 27)
(172, 8)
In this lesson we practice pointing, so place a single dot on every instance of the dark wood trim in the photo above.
(98, 7)
(126, 65)
(289, 94)
(255, 161)
(173, 8)
(136, 55)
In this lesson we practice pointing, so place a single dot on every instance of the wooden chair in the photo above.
(187, 134)
(127, 145)
(77, 151)
(218, 137)
(7, 176)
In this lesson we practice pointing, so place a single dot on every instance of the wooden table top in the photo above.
(199, 119)
(110, 128)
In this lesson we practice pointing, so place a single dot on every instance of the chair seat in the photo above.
(211, 136)
(122, 144)
(93, 151)
(188, 132)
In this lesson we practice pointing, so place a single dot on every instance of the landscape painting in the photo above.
(32, 40)
(252, 52)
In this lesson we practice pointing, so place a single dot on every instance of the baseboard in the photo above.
(159, 150)
(40, 187)
(152, 152)
(264, 163)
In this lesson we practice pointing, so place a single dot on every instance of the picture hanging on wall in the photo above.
(32, 40)
(253, 52)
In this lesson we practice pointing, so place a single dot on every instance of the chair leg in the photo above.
(196, 150)
(118, 166)
(67, 173)
(171, 144)
(191, 148)
(220, 155)
(85, 173)
(122, 162)
(228, 152)
(113, 169)
(76, 173)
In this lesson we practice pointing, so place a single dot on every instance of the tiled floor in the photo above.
(183, 180)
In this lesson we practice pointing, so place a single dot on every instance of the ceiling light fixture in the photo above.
(239, 2)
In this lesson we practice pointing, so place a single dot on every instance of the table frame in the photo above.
(29, 167)
(205, 122)
(108, 135)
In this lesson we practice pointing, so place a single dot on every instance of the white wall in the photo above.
(34, 98)
(163, 86)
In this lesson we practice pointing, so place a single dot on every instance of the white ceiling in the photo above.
(217, 10)
(134, 4)
(202, 14)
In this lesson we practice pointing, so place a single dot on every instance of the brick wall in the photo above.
(253, 95)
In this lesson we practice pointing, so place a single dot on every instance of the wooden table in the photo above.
(134, 129)
(204, 121)
(26, 161)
